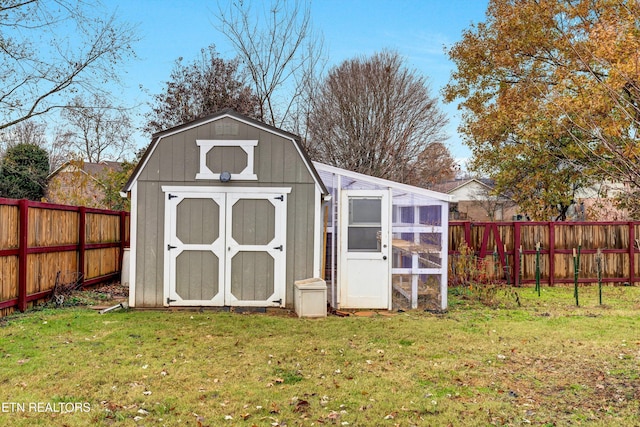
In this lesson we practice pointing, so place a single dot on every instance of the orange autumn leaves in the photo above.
(549, 93)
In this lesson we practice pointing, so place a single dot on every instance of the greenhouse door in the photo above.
(364, 267)
(225, 249)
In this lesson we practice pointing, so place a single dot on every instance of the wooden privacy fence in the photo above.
(38, 240)
(509, 249)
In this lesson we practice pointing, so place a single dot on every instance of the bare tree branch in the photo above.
(41, 71)
(99, 131)
(375, 116)
(281, 54)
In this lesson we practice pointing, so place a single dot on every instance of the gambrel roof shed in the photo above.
(225, 211)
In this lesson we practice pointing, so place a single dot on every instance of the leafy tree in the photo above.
(281, 54)
(550, 98)
(98, 130)
(23, 172)
(433, 165)
(113, 182)
(95, 185)
(35, 132)
(203, 87)
(40, 70)
(74, 186)
(375, 116)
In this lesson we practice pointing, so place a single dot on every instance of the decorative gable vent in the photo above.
(212, 165)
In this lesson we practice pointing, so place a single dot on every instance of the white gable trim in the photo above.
(384, 182)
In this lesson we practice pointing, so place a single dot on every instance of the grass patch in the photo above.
(546, 362)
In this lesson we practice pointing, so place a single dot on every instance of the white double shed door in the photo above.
(225, 246)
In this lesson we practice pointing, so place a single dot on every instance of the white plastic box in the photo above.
(310, 297)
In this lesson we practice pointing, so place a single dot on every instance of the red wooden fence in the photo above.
(39, 239)
(514, 244)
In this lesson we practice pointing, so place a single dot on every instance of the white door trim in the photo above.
(133, 244)
(225, 252)
(221, 189)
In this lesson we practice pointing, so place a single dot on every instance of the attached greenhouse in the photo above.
(386, 243)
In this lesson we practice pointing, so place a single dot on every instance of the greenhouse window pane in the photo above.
(431, 215)
(406, 214)
(365, 211)
(364, 239)
(432, 241)
(365, 224)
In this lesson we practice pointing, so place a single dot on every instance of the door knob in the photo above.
(384, 257)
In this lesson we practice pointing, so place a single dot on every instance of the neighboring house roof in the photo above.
(88, 168)
(155, 138)
(456, 184)
(92, 170)
(96, 169)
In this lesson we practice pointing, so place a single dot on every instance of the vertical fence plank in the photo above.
(467, 233)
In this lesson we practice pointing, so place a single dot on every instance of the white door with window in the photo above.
(364, 263)
(225, 248)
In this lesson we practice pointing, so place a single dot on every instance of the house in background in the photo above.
(472, 201)
(597, 203)
(80, 183)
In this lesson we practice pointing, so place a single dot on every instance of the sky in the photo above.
(419, 30)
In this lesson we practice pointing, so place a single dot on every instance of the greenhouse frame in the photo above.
(386, 243)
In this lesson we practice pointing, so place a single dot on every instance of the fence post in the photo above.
(516, 255)
(538, 268)
(632, 251)
(467, 233)
(552, 253)
(82, 242)
(23, 245)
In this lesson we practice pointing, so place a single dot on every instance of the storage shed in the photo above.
(387, 243)
(228, 211)
(225, 211)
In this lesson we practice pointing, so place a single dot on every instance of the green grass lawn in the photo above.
(546, 362)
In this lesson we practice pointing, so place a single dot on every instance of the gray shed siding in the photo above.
(175, 161)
